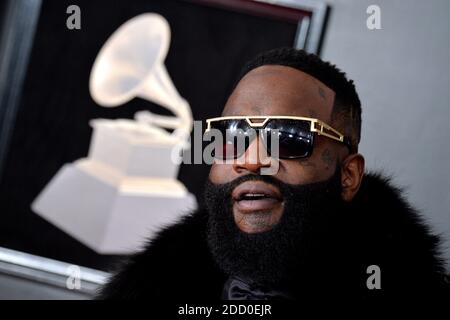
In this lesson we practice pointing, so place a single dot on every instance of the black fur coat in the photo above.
(379, 228)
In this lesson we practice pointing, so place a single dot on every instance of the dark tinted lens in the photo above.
(295, 139)
(236, 138)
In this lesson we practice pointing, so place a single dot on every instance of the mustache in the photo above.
(228, 187)
(287, 190)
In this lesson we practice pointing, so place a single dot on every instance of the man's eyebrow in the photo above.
(312, 113)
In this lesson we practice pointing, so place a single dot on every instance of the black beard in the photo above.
(274, 257)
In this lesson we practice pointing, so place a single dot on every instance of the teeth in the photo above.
(253, 196)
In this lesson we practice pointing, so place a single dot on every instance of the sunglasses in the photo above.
(295, 135)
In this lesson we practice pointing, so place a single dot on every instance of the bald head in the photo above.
(280, 90)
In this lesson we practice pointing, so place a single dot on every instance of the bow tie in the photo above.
(237, 288)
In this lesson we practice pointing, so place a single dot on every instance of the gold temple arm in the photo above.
(325, 130)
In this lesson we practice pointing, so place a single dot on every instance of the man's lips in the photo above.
(252, 196)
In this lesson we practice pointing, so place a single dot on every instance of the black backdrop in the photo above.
(209, 46)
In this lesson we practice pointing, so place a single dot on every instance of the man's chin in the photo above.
(257, 221)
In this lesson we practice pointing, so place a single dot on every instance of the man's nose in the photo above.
(254, 159)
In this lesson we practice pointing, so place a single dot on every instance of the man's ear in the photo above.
(352, 172)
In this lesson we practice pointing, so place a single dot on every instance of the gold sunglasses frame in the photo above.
(316, 125)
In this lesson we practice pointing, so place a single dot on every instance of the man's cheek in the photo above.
(220, 173)
(298, 172)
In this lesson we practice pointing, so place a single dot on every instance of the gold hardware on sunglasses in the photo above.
(316, 125)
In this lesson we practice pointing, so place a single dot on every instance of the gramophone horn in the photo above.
(131, 64)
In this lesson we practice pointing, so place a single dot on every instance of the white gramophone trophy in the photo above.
(127, 187)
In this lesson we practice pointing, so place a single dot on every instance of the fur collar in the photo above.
(379, 228)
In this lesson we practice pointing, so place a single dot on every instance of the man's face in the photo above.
(277, 90)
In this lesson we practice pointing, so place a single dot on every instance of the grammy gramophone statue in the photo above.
(127, 187)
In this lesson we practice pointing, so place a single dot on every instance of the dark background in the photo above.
(209, 46)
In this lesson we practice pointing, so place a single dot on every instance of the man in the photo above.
(320, 227)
